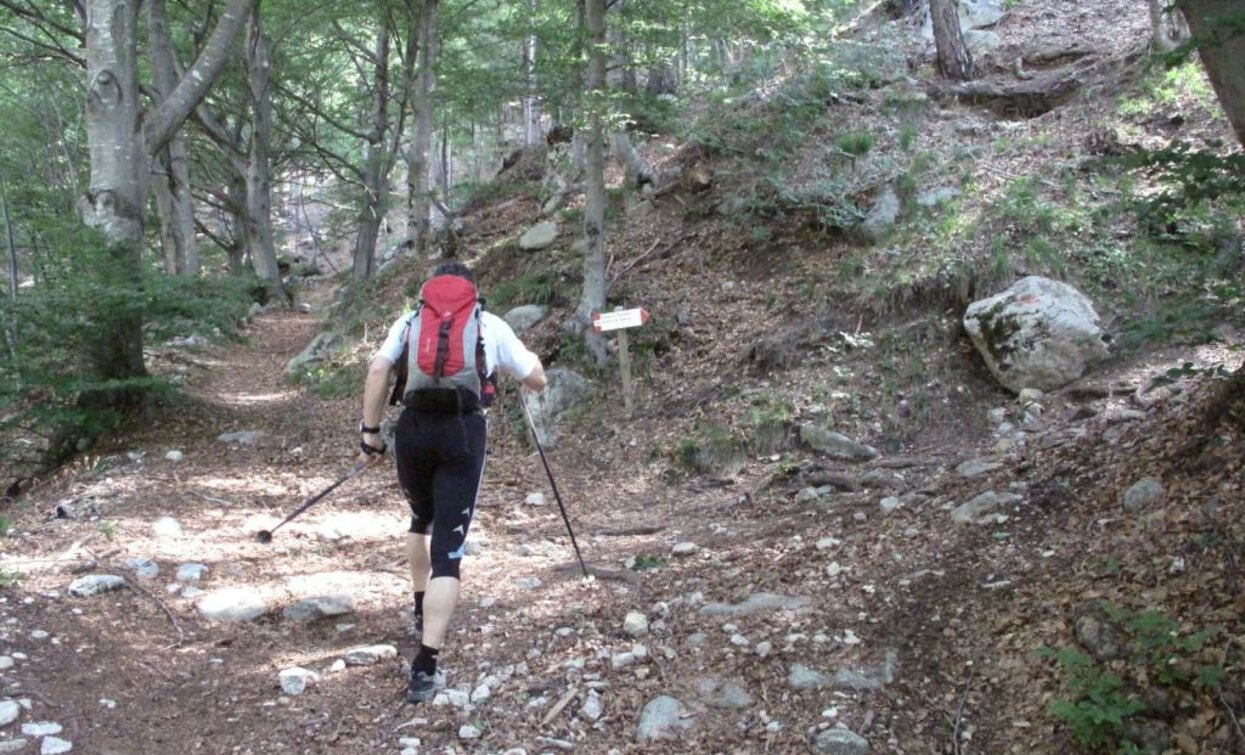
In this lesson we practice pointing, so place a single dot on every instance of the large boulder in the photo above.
(566, 390)
(1039, 334)
(524, 317)
(540, 236)
(882, 216)
(974, 14)
(316, 351)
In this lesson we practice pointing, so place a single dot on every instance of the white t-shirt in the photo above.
(502, 348)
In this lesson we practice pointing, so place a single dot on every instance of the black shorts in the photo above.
(440, 460)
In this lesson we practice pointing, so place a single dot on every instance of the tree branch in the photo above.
(317, 111)
(194, 85)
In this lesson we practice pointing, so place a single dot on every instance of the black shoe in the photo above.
(421, 688)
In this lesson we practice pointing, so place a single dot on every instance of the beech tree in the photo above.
(954, 59)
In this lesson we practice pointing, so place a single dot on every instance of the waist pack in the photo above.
(442, 367)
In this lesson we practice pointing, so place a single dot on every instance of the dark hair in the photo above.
(452, 267)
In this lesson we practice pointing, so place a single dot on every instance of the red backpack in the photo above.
(442, 365)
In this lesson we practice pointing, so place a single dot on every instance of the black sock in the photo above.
(426, 660)
(419, 603)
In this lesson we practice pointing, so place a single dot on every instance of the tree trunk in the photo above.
(954, 59)
(114, 202)
(172, 166)
(375, 194)
(1167, 26)
(237, 224)
(593, 296)
(663, 78)
(258, 228)
(11, 247)
(1218, 28)
(421, 142)
(531, 106)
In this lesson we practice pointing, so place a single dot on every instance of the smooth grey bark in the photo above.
(11, 248)
(531, 104)
(954, 59)
(1218, 28)
(258, 228)
(120, 151)
(171, 166)
(117, 193)
(592, 298)
(421, 140)
(375, 195)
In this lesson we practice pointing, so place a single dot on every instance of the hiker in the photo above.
(450, 352)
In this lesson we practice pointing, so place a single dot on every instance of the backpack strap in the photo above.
(402, 367)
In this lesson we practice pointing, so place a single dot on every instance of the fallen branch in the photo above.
(1236, 724)
(181, 636)
(629, 531)
(559, 706)
(634, 262)
(959, 713)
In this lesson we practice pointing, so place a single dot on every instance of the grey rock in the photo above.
(13, 745)
(523, 318)
(242, 437)
(636, 624)
(1038, 333)
(566, 390)
(256, 310)
(319, 607)
(591, 709)
(935, 197)
(467, 731)
(980, 509)
(369, 655)
(540, 236)
(761, 602)
(841, 742)
(684, 549)
(1098, 636)
(835, 444)
(94, 584)
(319, 349)
(175, 456)
(662, 719)
(890, 504)
(527, 583)
(696, 640)
(10, 711)
(882, 216)
(978, 467)
(294, 681)
(232, 604)
(54, 746)
(144, 568)
(802, 677)
(191, 573)
(721, 693)
(981, 41)
(1141, 494)
(41, 728)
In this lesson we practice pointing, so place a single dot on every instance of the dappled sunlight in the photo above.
(255, 399)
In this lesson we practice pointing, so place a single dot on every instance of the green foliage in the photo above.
(1099, 702)
(542, 287)
(855, 143)
(108, 529)
(715, 450)
(644, 562)
(9, 578)
(336, 381)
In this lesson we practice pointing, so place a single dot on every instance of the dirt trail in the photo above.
(139, 671)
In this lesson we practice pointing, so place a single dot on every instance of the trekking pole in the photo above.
(554, 485)
(265, 536)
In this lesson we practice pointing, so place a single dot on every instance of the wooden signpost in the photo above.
(621, 320)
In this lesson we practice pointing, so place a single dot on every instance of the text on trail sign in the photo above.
(619, 319)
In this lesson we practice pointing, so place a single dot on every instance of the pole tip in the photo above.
(264, 536)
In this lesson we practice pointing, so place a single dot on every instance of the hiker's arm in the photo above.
(535, 380)
(374, 389)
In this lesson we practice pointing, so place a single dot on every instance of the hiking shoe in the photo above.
(422, 687)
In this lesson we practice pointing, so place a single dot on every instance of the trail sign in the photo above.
(619, 319)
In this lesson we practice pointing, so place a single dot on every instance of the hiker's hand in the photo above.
(373, 449)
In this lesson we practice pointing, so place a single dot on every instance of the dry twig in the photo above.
(959, 713)
(560, 706)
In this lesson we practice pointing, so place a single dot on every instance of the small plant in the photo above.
(644, 562)
(4, 526)
(855, 143)
(9, 577)
(907, 135)
(1099, 704)
(108, 529)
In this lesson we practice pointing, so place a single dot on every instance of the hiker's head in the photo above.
(452, 267)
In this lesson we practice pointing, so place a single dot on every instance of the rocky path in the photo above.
(840, 605)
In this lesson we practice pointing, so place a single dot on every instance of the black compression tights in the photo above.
(440, 459)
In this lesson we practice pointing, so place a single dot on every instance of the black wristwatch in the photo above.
(363, 428)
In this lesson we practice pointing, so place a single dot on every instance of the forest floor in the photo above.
(919, 633)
